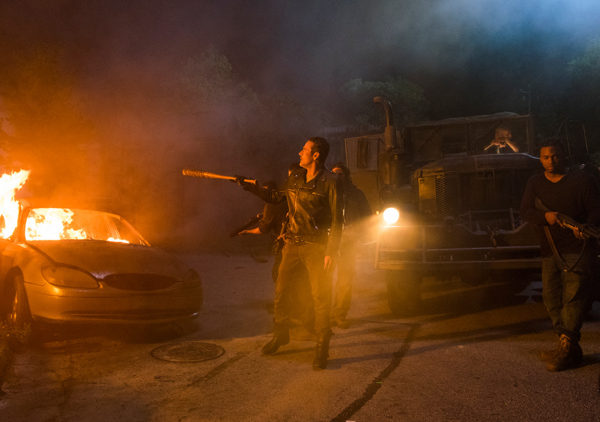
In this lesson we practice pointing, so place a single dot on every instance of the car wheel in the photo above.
(18, 319)
(403, 292)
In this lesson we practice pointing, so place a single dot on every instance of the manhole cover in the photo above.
(188, 351)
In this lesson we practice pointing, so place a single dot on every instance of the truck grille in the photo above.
(440, 195)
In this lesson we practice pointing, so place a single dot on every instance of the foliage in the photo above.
(408, 100)
(584, 91)
(584, 73)
(40, 98)
(208, 81)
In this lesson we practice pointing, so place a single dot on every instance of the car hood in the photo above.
(105, 258)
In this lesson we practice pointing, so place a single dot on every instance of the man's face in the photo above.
(551, 159)
(307, 156)
(503, 135)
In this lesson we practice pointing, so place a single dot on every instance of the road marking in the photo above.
(376, 384)
(218, 369)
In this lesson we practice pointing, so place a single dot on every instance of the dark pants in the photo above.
(308, 257)
(346, 272)
(566, 293)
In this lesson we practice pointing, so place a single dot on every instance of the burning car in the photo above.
(79, 265)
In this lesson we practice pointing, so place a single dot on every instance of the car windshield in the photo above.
(76, 224)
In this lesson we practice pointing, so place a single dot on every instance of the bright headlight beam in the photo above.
(391, 215)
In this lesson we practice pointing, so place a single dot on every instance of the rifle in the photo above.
(252, 222)
(588, 231)
(208, 175)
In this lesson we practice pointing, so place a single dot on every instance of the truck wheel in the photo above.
(403, 292)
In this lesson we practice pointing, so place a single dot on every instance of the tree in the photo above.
(583, 95)
(208, 82)
(41, 101)
(584, 91)
(408, 100)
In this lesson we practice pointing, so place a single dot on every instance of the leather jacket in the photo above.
(315, 209)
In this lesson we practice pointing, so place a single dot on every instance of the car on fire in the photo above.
(88, 266)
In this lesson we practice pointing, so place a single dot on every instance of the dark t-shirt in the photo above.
(575, 195)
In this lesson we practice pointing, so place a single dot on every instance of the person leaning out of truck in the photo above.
(502, 141)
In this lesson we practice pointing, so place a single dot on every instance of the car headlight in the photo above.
(391, 215)
(62, 276)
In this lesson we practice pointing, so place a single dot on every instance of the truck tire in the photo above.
(403, 292)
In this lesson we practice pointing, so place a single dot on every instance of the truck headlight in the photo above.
(391, 216)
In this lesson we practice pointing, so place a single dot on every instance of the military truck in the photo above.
(447, 207)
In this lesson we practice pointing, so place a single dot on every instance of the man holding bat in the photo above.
(312, 239)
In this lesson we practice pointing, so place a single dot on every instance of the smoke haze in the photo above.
(107, 101)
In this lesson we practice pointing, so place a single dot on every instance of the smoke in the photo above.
(128, 94)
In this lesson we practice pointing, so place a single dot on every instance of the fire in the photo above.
(52, 224)
(63, 223)
(48, 223)
(9, 207)
(114, 239)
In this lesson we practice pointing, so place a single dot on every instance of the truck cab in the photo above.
(448, 203)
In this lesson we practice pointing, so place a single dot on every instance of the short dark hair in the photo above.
(321, 146)
(553, 142)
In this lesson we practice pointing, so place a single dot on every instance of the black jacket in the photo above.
(315, 208)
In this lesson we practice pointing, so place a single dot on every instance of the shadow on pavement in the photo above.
(62, 338)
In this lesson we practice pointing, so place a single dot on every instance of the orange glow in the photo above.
(52, 224)
(57, 224)
(42, 223)
(9, 207)
(113, 239)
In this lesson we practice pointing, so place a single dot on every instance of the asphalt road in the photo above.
(470, 355)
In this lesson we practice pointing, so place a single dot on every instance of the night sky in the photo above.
(312, 47)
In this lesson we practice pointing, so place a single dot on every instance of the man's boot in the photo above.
(281, 337)
(549, 355)
(322, 351)
(567, 356)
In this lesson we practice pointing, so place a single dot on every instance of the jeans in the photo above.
(308, 257)
(566, 294)
(346, 272)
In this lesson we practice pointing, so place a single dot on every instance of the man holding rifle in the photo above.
(312, 238)
(563, 197)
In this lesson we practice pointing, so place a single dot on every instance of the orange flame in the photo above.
(42, 223)
(9, 207)
(52, 224)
